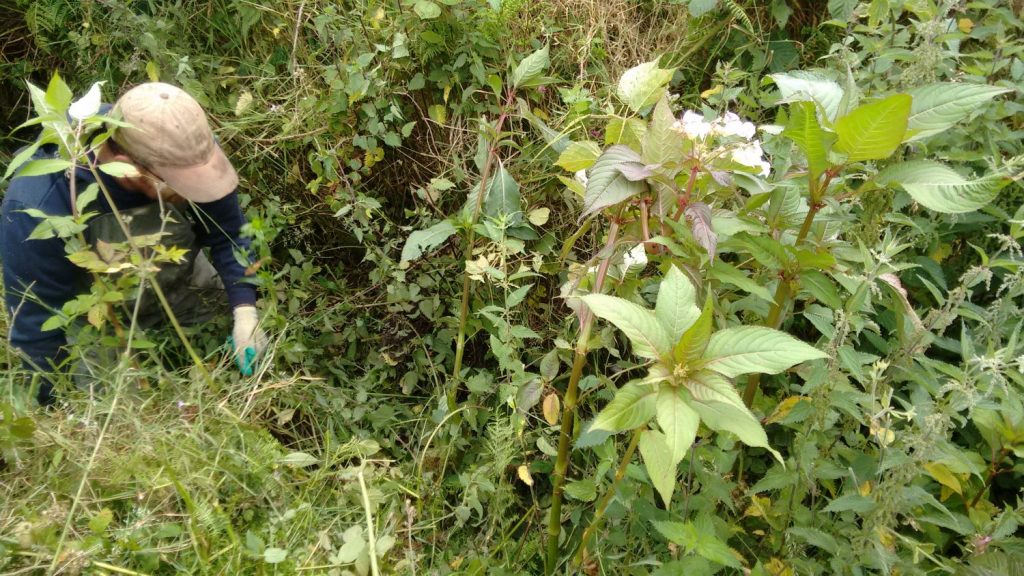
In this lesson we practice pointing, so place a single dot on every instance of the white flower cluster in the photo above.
(693, 126)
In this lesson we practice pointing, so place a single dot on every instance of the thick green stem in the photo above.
(620, 473)
(460, 339)
(569, 408)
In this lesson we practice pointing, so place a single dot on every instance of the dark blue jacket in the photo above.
(41, 267)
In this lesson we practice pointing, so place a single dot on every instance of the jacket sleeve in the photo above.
(38, 280)
(220, 228)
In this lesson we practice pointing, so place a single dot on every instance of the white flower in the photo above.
(636, 258)
(87, 105)
(693, 126)
(581, 177)
(751, 155)
(731, 125)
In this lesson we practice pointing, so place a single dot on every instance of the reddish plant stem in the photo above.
(684, 200)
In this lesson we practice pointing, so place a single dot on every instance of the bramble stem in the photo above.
(569, 407)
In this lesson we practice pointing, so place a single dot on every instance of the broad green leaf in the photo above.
(720, 408)
(606, 186)
(728, 274)
(677, 420)
(874, 131)
(274, 555)
(658, 462)
(578, 156)
(936, 107)
(643, 85)
(298, 460)
(584, 490)
(690, 348)
(44, 166)
(87, 197)
(503, 196)
(805, 86)
(119, 169)
(699, 537)
(422, 241)
(940, 188)
(661, 144)
(22, 157)
(649, 337)
(815, 537)
(632, 406)
(531, 67)
(806, 132)
(426, 9)
(676, 306)
(821, 288)
(626, 131)
(699, 8)
(752, 349)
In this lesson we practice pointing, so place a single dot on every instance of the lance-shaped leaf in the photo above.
(578, 156)
(606, 185)
(677, 420)
(658, 462)
(940, 188)
(649, 337)
(751, 349)
(720, 408)
(633, 406)
(690, 348)
(806, 132)
(531, 67)
(937, 107)
(676, 306)
(874, 131)
(698, 214)
(422, 241)
(503, 197)
(803, 86)
(661, 144)
(643, 85)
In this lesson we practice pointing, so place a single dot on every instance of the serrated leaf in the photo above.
(21, 157)
(815, 537)
(851, 503)
(629, 132)
(43, 166)
(427, 240)
(583, 490)
(677, 421)
(633, 405)
(805, 130)
(531, 67)
(755, 349)
(657, 461)
(274, 555)
(720, 408)
(426, 9)
(698, 214)
(940, 188)
(937, 107)
(661, 144)
(676, 305)
(578, 156)
(690, 348)
(821, 288)
(809, 86)
(728, 274)
(643, 85)
(606, 186)
(874, 131)
(649, 337)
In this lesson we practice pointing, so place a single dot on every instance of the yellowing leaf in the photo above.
(942, 474)
(244, 101)
(783, 409)
(965, 25)
(883, 435)
(865, 488)
(524, 474)
(551, 408)
(539, 216)
(777, 567)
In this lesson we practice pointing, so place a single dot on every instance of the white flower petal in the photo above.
(88, 105)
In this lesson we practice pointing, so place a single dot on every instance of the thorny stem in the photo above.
(569, 406)
(620, 473)
(460, 341)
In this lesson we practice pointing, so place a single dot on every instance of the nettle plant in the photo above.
(692, 190)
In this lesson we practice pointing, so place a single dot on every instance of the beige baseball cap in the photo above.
(170, 136)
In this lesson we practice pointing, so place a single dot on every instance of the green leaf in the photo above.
(583, 490)
(658, 462)
(940, 188)
(578, 156)
(677, 420)
(699, 537)
(274, 555)
(649, 337)
(851, 503)
(720, 408)
(606, 186)
(503, 197)
(58, 94)
(690, 348)
(806, 132)
(874, 131)
(699, 8)
(815, 537)
(298, 460)
(676, 306)
(119, 169)
(937, 107)
(426, 10)
(800, 86)
(751, 349)
(22, 157)
(44, 166)
(626, 131)
(728, 274)
(632, 407)
(661, 144)
(643, 85)
(821, 288)
(422, 241)
(531, 67)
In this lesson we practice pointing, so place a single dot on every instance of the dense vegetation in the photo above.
(578, 286)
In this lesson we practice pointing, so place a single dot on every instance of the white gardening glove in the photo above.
(247, 340)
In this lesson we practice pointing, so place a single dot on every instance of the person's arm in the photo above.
(220, 228)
